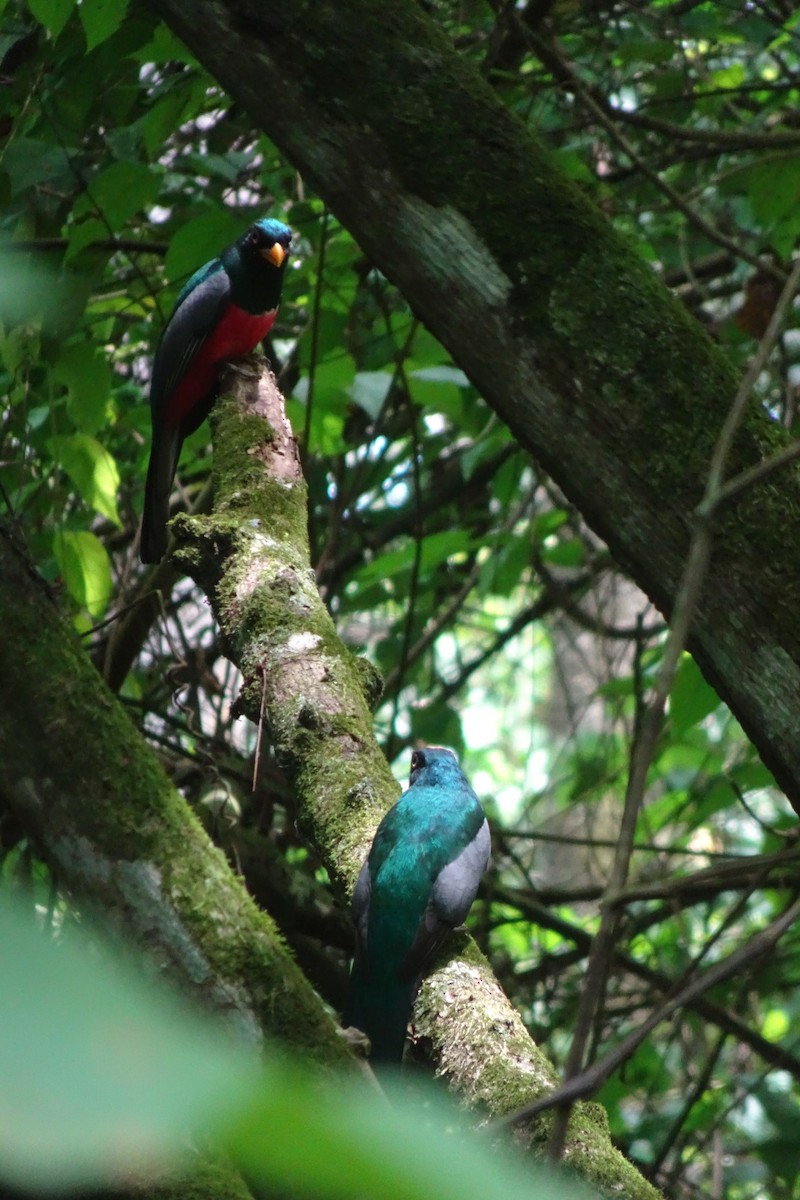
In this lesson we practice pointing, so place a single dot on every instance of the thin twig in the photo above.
(650, 727)
(314, 348)
(257, 755)
(773, 1053)
(589, 1080)
(555, 59)
(745, 479)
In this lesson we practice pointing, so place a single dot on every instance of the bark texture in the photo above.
(569, 336)
(251, 557)
(84, 785)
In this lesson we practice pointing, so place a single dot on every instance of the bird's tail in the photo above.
(160, 473)
(382, 1010)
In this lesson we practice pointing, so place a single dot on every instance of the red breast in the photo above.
(235, 334)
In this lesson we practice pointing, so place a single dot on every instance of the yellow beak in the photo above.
(276, 254)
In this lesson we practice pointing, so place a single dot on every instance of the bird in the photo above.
(222, 313)
(418, 882)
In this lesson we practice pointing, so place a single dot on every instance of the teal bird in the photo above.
(418, 883)
(222, 313)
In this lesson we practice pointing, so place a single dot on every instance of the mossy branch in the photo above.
(251, 556)
(558, 322)
(91, 794)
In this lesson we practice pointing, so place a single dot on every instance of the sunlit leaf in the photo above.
(85, 567)
(92, 470)
(85, 371)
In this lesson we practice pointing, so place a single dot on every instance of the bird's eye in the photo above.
(417, 760)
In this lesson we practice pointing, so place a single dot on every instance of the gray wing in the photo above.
(457, 885)
(453, 892)
(361, 898)
(187, 329)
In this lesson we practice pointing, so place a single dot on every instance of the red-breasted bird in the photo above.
(222, 313)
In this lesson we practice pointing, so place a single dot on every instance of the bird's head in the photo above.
(432, 764)
(269, 240)
(255, 264)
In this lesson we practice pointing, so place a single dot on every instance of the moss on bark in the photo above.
(565, 331)
(84, 785)
(252, 560)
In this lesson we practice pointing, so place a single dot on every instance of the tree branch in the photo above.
(613, 387)
(589, 1080)
(251, 556)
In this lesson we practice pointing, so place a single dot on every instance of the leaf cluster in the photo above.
(445, 554)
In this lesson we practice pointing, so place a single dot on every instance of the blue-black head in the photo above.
(433, 764)
(267, 241)
(256, 262)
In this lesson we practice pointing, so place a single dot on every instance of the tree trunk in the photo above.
(84, 785)
(613, 387)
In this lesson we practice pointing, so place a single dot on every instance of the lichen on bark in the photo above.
(314, 700)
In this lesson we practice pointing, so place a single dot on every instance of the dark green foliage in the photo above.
(496, 618)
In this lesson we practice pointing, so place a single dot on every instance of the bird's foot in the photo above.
(357, 1040)
(247, 368)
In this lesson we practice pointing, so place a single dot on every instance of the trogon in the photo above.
(418, 882)
(222, 313)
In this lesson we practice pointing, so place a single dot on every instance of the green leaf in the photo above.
(227, 167)
(27, 291)
(567, 553)
(199, 240)
(28, 161)
(331, 334)
(436, 549)
(120, 192)
(164, 46)
(102, 1073)
(104, 1076)
(437, 395)
(87, 375)
(438, 724)
(548, 523)
(92, 469)
(81, 234)
(369, 390)
(101, 18)
(573, 162)
(691, 699)
(773, 190)
(85, 568)
(502, 569)
(645, 50)
(340, 1143)
(162, 119)
(53, 14)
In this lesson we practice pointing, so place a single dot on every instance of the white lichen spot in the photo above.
(302, 643)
